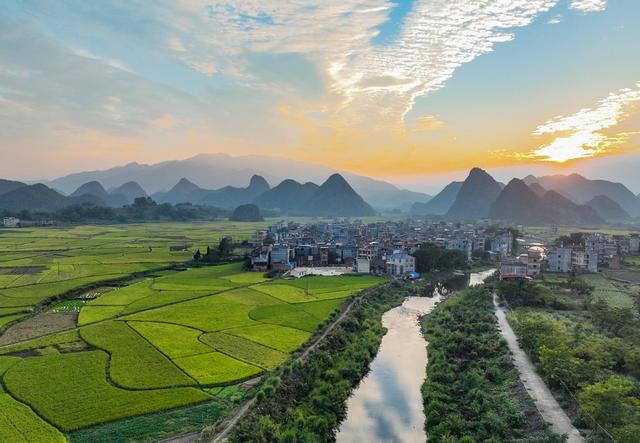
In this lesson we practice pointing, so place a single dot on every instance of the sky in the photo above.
(413, 91)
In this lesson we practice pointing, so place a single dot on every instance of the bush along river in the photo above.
(387, 406)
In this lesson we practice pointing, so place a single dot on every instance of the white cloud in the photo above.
(555, 20)
(581, 134)
(117, 64)
(373, 83)
(588, 5)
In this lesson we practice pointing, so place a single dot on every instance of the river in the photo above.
(387, 405)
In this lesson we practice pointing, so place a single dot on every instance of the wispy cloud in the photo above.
(583, 134)
(588, 5)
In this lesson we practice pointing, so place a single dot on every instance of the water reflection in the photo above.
(387, 405)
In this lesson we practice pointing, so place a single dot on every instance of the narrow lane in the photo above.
(546, 403)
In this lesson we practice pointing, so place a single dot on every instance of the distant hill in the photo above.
(130, 190)
(518, 203)
(184, 191)
(9, 185)
(477, 193)
(580, 190)
(213, 171)
(41, 198)
(95, 189)
(246, 213)
(229, 197)
(288, 196)
(608, 209)
(537, 188)
(335, 197)
(440, 204)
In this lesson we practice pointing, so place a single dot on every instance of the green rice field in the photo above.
(162, 338)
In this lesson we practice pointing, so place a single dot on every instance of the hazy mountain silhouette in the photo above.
(518, 203)
(580, 190)
(39, 197)
(130, 190)
(214, 171)
(335, 197)
(440, 204)
(9, 185)
(608, 209)
(477, 193)
(287, 196)
(94, 188)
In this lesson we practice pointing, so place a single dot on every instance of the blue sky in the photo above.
(412, 91)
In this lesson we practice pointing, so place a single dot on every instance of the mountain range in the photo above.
(558, 199)
(518, 203)
(335, 197)
(214, 171)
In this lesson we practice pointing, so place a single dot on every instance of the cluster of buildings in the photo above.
(379, 248)
(580, 252)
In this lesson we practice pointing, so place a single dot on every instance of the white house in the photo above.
(10, 222)
(400, 263)
(363, 266)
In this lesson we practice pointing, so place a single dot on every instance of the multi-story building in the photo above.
(363, 266)
(460, 244)
(400, 263)
(534, 261)
(280, 258)
(513, 268)
(559, 260)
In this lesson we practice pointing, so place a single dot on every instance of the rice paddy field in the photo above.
(82, 357)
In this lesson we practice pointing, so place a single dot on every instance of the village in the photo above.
(388, 248)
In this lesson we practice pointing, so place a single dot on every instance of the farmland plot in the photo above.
(162, 341)
(71, 391)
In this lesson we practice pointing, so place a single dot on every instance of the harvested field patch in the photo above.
(21, 270)
(38, 325)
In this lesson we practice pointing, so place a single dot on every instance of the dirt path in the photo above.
(545, 402)
(221, 436)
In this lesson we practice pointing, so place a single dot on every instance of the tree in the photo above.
(225, 247)
(246, 213)
(609, 402)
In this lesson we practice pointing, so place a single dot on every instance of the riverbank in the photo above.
(472, 389)
(306, 399)
(387, 405)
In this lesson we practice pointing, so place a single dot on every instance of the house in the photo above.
(10, 222)
(281, 258)
(513, 269)
(559, 260)
(584, 260)
(460, 244)
(260, 261)
(400, 263)
(534, 261)
(363, 266)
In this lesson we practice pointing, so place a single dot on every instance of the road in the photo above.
(547, 405)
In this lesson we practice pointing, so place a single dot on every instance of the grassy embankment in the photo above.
(472, 392)
(583, 334)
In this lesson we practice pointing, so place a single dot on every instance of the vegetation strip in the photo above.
(471, 392)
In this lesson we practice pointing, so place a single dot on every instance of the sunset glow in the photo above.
(391, 89)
